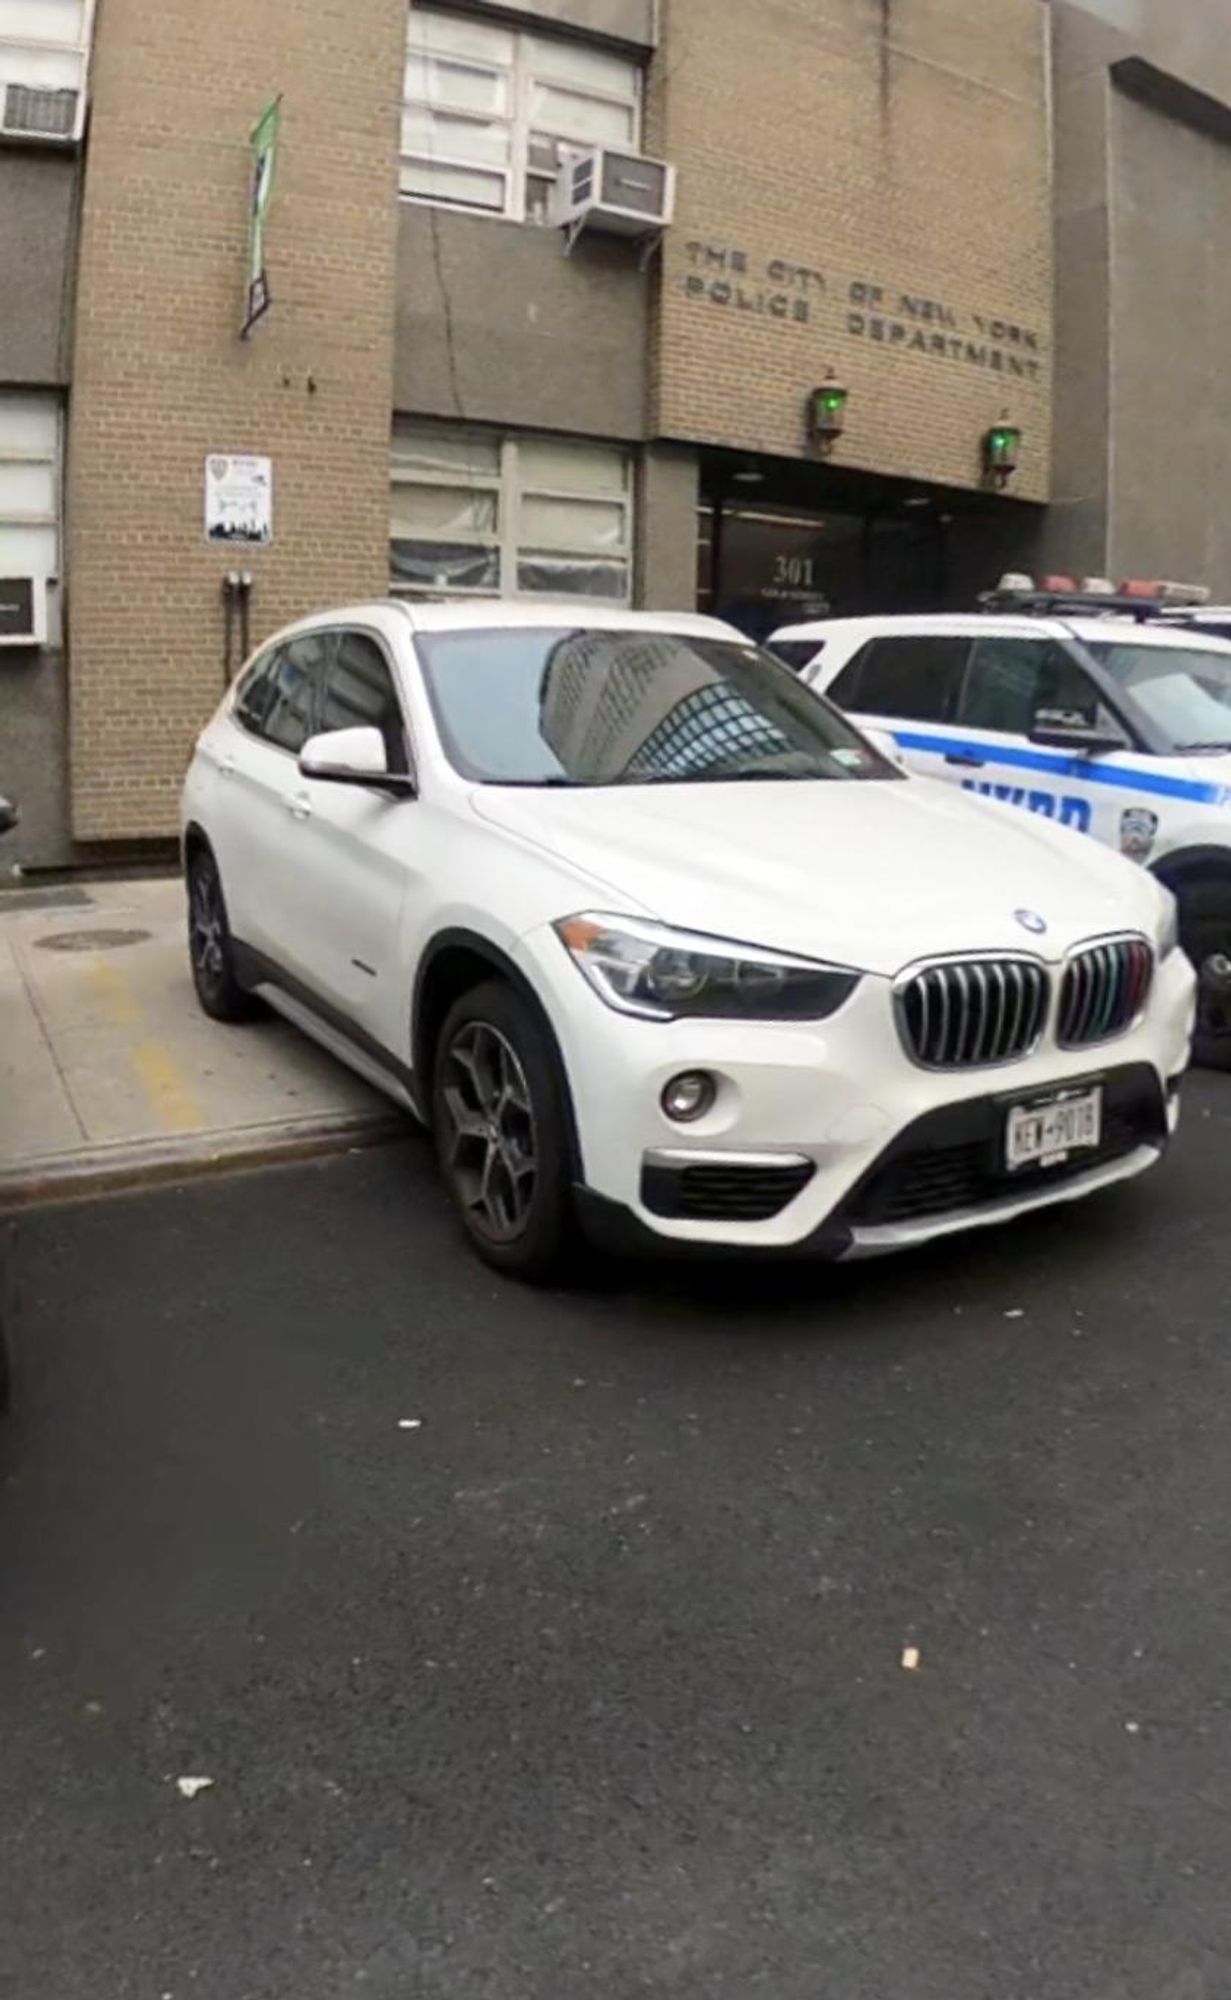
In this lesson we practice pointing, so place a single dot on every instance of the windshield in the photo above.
(1184, 692)
(526, 706)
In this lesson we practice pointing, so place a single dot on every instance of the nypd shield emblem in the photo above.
(1138, 832)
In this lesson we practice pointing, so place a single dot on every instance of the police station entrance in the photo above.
(781, 540)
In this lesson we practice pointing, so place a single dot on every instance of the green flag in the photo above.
(264, 158)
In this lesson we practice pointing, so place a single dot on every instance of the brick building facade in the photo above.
(879, 194)
(866, 192)
(160, 379)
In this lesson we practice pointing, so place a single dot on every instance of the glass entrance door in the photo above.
(764, 566)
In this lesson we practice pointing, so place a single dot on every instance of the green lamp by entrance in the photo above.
(827, 414)
(1002, 447)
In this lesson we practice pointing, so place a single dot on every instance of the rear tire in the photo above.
(502, 1135)
(210, 947)
(1205, 933)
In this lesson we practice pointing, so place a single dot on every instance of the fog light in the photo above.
(689, 1095)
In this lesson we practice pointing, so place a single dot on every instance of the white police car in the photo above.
(1102, 712)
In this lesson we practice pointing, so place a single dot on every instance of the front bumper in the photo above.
(849, 1148)
(939, 1177)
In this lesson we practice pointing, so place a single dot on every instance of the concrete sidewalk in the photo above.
(111, 1075)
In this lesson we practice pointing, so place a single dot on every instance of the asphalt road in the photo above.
(589, 1685)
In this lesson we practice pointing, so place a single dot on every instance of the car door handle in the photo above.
(226, 766)
(299, 805)
(965, 759)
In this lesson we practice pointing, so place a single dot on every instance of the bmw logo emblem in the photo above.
(1031, 921)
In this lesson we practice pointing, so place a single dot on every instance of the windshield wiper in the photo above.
(555, 783)
(716, 777)
(1195, 747)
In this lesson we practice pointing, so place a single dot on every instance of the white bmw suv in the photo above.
(661, 946)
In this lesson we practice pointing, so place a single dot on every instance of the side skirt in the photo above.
(326, 1025)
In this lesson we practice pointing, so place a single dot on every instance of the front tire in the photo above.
(210, 947)
(1205, 933)
(501, 1131)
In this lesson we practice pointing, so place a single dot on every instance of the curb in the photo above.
(146, 1163)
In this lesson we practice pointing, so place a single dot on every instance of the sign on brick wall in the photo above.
(738, 282)
(239, 498)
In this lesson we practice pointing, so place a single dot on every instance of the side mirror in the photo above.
(353, 757)
(9, 815)
(1071, 729)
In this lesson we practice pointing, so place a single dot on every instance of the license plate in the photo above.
(1044, 1135)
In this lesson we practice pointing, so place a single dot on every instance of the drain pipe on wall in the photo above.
(236, 608)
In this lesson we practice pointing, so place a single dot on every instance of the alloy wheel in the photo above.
(490, 1150)
(206, 923)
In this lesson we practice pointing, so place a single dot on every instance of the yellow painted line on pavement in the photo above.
(160, 1075)
(167, 1087)
(115, 995)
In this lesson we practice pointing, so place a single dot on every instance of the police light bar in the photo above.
(1094, 596)
(1194, 595)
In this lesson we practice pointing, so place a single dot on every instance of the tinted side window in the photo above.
(1010, 679)
(918, 678)
(796, 653)
(359, 693)
(295, 699)
(255, 693)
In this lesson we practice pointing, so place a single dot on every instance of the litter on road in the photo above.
(189, 1787)
(910, 1659)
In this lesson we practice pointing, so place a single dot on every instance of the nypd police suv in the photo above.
(1107, 712)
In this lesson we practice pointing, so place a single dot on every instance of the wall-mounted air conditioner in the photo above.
(29, 111)
(618, 193)
(23, 611)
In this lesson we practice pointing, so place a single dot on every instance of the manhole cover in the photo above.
(100, 940)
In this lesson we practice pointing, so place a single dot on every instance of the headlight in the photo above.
(1169, 928)
(666, 975)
